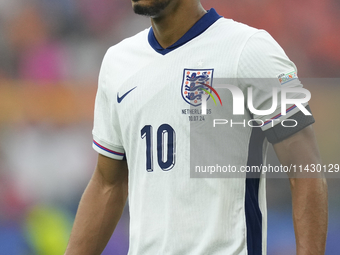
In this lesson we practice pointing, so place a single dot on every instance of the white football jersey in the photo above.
(148, 102)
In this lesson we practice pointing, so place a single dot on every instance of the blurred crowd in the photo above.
(44, 166)
(49, 40)
(66, 39)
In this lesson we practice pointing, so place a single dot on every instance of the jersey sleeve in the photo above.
(106, 131)
(265, 69)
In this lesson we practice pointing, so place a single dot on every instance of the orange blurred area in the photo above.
(61, 103)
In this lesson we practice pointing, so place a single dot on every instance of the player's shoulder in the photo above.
(129, 45)
(232, 24)
(229, 28)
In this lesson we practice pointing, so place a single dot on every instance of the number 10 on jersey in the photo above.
(166, 146)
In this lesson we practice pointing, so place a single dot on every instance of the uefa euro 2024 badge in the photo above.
(196, 82)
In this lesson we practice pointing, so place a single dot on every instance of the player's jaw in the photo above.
(150, 8)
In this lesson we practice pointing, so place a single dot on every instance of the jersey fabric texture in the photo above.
(139, 117)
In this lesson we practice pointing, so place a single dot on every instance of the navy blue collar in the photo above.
(200, 26)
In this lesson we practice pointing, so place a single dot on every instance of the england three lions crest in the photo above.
(196, 82)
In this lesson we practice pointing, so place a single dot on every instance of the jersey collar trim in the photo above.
(200, 26)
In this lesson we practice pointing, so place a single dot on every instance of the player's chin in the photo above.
(144, 9)
(150, 8)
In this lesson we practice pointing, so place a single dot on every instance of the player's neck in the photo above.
(175, 22)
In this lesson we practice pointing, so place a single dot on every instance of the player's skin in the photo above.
(104, 199)
(309, 195)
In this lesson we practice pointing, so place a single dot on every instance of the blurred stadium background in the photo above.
(50, 55)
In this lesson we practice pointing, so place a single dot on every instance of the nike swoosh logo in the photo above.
(119, 99)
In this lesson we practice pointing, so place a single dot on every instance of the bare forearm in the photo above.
(309, 192)
(310, 215)
(98, 214)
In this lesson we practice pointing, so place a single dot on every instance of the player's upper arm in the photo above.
(111, 171)
(299, 149)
